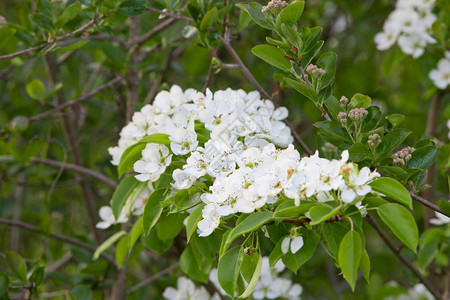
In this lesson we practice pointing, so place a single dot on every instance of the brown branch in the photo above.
(56, 236)
(153, 278)
(76, 168)
(427, 203)
(158, 28)
(64, 37)
(403, 259)
(75, 102)
(263, 92)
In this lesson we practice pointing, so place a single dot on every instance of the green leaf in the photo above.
(311, 43)
(121, 194)
(293, 37)
(68, 14)
(423, 158)
(349, 257)
(334, 233)
(129, 157)
(327, 62)
(392, 189)
(36, 89)
(37, 277)
(135, 233)
(359, 152)
(228, 269)
(192, 221)
(152, 210)
(157, 138)
(121, 251)
(372, 119)
(391, 141)
(364, 265)
(254, 279)
(292, 211)
(333, 129)
(278, 43)
(153, 243)
(319, 214)
(209, 19)
(402, 224)
(5, 34)
(291, 13)
(194, 264)
(4, 282)
(252, 223)
(108, 243)
(169, 226)
(70, 47)
(302, 89)
(81, 292)
(17, 265)
(273, 56)
(395, 119)
(276, 253)
(133, 7)
(255, 12)
(360, 100)
(444, 206)
(395, 172)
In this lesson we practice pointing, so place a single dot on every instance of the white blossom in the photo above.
(108, 218)
(440, 219)
(155, 159)
(441, 75)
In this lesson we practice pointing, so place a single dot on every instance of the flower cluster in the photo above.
(264, 175)
(441, 75)
(410, 25)
(186, 290)
(374, 140)
(402, 156)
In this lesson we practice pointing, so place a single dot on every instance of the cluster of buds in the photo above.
(274, 6)
(401, 157)
(2, 21)
(314, 70)
(342, 116)
(357, 114)
(374, 140)
(329, 150)
(344, 102)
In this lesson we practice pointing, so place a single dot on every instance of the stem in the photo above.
(403, 259)
(153, 278)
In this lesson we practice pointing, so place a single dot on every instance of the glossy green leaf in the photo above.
(254, 279)
(327, 62)
(133, 7)
(401, 222)
(391, 141)
(302, 89)
(349, 257)
(334, 233)
(322, 213)
(152, 242)
(108, 243)
(333, 129)
(293, 37)
(121, 194)
(194, 264)
(68, 14)
(169, 226)
(129, 157)
(291, 13)
(255, 11)
(395, 119)
(364, 265)
(192, 221)
(423, 158)
(273, 56)
(252, 223)
(135, 233)
(392, 189)
(295, 261)
(152, 210)
(228, 269)
(359, 152)
(121, 251)
(372, 119)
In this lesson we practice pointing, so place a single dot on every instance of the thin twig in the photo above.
(403, 259)
(173, 16)
(153, 278)
(74, 102)
(64, 37)
(158, 28)
(56, 236)
(252, 79)
(427, 203)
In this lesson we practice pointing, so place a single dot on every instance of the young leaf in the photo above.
(364, 265)
(401, 222)
(319, 214)
(17, 265)
(209, 19)
(291, 13)
(36, 89)
(360, 100)
(152, 210)
(293, 37)
(108, 243)
(349, 257)
(395, 119)
(392, 189)
(192, 221)
(228, 269)
(255, 11)
(327, 62)
(252, 223)
(273, 56)
(254, 279)
(121, 194)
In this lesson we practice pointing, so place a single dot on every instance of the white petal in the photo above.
(285, 244)
(296, 244)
